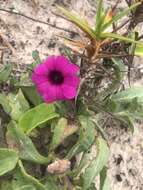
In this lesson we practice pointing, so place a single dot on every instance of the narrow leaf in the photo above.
(96, 165)
(58, 132)
(139, 50)
(120, 15)
(86, 136)
(81, 23)
(120, 37)
(128, 94)
(104, 181)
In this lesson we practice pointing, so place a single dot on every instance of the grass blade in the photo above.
(81, 23)
(120, 15)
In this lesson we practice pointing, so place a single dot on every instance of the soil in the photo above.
(24, 35)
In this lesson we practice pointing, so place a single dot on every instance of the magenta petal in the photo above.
(65, 66)
(38, 79)
(50, 92)
(41, 69)
(69, 92)
(50, 62)
(54, 94)
(72, 80)
(46, 66)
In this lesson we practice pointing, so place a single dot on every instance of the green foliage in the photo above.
(96, 166)
(5, 103)
(68, 130)
(139, 50)
(87, 135)
(23, 144)
(36, 116)
(36, 57)
(5, 72)
(18, 105)
(8, 160)
(120, 15)
(104, 181)
(58, 132)
(23, 181)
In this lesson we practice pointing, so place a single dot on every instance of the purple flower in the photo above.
(56, 79)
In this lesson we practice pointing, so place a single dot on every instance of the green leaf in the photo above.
(23, 144)
(58, 132)
(18, 104)
(36, 116)
(5, 103)
(81, 23)
(86, 136)
(120, 37)
(139, 50)
(104, 181)
(126, 118)
(24, 181)
(51, 183)
(5, 72)
(129, 94)
(99, 17)
(96, 165)
(120, 15)
(32, 95)
(36, 57)
(8, 160)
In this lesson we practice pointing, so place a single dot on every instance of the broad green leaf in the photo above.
(104, 181)
(120, 37)
(23, 144)
(8, 160)
(5, 72)
(86, 136)
(128, 94)
(81, 23)
(96, 165)
(18, 104)
(120, 15)
(5, 103)
(24, 181)
(36, 116)
(139, 50)
(58, 132)
(32, 95)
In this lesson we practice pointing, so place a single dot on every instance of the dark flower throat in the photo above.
(56, 77)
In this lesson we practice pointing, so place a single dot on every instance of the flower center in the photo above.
(56, 77)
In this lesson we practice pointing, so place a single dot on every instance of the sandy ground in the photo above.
(126, 159)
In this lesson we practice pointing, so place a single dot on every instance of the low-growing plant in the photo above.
(55, 114)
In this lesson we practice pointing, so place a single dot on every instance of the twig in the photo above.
(39, 21)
